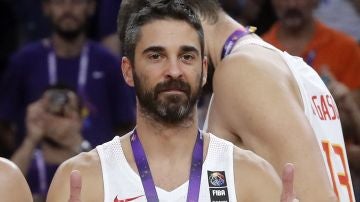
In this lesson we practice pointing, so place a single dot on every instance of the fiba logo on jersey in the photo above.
(217, 186)
(217, 179)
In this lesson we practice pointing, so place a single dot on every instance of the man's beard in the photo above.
(294, 19)
(69, 34)
(171, 109)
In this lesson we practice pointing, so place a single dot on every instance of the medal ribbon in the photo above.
(233, 38)
(145, 173)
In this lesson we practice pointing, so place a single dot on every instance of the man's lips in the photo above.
(178, 91)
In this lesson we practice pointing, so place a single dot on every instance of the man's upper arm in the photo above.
(268, 116)
(92, 185)
(264, 110)
(60, 186)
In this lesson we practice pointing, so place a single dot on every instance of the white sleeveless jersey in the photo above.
(122, 183)
(322, 113)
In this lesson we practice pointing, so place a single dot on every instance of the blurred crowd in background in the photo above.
(62, 91)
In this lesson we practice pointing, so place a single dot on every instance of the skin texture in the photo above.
(164, 142)
(265, 113)
(11, 179)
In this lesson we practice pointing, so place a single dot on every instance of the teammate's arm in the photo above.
(266, 112)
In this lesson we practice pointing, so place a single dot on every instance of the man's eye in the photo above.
(187, 57)
(154, 56)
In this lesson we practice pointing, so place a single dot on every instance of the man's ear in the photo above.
(205, 70)
(127, 71)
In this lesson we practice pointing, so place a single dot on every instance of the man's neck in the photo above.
(161, 140)
(215, 39)
(168, 149)
(65, 48)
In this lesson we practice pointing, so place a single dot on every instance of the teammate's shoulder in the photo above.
(8, 167)
(12, 179)
(254, 54)
(6, 164)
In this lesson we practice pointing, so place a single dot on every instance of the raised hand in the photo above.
(35, 121)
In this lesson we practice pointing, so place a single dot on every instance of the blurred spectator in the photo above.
(67, 57)
(13, 186)
(300, 34)
(258, 13)
(34, 25)
(53, 125)
(347, 18)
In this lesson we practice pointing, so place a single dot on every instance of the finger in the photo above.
(75, 186)
(288, 194)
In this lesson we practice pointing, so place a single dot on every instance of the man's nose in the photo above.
(174, 69)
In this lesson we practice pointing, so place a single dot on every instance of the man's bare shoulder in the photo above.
(253, 58)
(255, 178)
(88, 163)
(11, 179)
(84, 162)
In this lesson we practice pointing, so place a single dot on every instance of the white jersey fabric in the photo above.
(122, 183)
(322, 113)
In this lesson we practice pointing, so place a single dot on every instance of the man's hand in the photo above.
(35, 121)
(75, 186)
(287, 178)
(65, 129)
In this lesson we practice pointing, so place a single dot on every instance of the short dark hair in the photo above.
(159, 10)
(207, 9)
(127, 8)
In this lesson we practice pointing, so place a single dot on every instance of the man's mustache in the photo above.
(173, 84)
(67, 16)
(293, 13)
